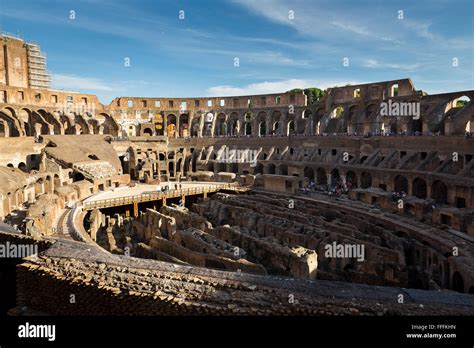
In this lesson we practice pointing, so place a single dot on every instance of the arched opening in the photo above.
(365, 180)
(171, 169)
(371, 110)
(183, 125)
(262, 129)
(351, 179)
(195, 124)
(291, 128)
(439, 192)
(258, 168)
(417, 126)
(394, 90)
(178, 166)
(321, 177)
(171, 126)
(221, 126)
(306, 114)
(210, 166)
(335, 177)
(3, 127)
(271, 169)
(276, 123)
(77, 177)
(318, 127)
(283, 169)
(131, 130)
(57, 181)
(276, 128)
(208, 120)
(419, 188)
(234, 127)
(309, 173)
(338, 111)
(9, 123)
(458, 282)
(248, 128)
(22, 167)
(147, 132)
(400, 184)
(462, 101)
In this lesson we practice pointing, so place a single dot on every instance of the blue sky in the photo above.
(194, 56)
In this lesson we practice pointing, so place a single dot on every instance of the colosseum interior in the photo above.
(245, 205)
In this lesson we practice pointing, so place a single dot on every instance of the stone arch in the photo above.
(306, 114)
(80, 125)
(171, 169)
(148, 132)
(458, 282)
(22, 166)
(67, 123)
(271, 169)
(365, 180)
(171, 126)
(291, 127)
(183, 125)
(258, 168)
(221, 125)
(109, 124)
(234, 124)
(400, 183)
(276, 127)
(131, 130)
(309, 173)
(179, 165)
(248, 128)
(419, 188)
(337, 111)
(283, 169)
(195, 126)
(94, 126)
(351, 179)
(57, 181)
(439, 192)
(469, 127)
(321, 176)
(54, 124)
(335, 177)
(77, 176)
(11, 123)
(8, 126)
(276, 123)
(262, 128)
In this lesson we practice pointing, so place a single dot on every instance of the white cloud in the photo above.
(320, 21)
(275, 87)
(374, 64)
(79, 83)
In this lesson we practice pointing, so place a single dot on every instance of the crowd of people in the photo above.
(396, 195)
(337, 188)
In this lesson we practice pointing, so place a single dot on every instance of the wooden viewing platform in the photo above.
(160, 195)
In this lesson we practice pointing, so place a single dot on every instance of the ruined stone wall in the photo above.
(115, 285)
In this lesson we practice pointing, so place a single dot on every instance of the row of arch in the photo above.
(27, 122)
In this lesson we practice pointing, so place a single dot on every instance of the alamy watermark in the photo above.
(354, 251)
(11, 250)
(396, 108)
(37, 331)
(238, 156)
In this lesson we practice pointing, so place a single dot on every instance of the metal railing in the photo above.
(156, 196)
